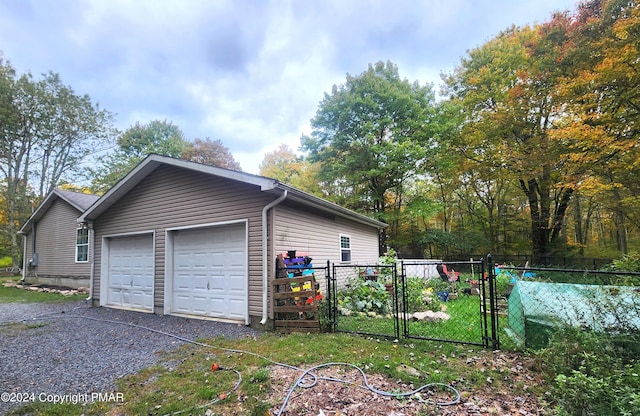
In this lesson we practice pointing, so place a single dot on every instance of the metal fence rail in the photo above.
(520, 260)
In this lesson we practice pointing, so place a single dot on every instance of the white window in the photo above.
(345, 248)
(82, 245)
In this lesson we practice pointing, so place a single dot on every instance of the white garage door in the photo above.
(210, 272)
(130, 272)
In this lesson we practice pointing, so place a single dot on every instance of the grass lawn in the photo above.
(15, 295)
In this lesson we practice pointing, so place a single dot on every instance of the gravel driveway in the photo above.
(57, 353)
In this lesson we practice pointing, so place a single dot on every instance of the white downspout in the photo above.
(24, 258)
(92, 267)
(265, 258)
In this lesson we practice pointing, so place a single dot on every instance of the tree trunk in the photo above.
(619, 221)
(577, 224)
(539, 230)
(560, 214)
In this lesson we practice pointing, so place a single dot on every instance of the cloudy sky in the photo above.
(248, 72)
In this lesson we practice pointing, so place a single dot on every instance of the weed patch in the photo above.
(592, 373)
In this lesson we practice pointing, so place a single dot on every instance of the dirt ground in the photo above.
(508, 396)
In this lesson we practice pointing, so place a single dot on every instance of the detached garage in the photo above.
(183, 238)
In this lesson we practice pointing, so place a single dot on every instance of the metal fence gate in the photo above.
(469, 311)
(411, 300)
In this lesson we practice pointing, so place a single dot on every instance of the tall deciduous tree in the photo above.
(284, 165)
(369, 136)
(281, 164)
(602, 43)
(210, 152)
(507, 89)
(46, 132)
(138, 141)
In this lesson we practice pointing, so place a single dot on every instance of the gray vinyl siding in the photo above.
(56, 246)
(319, 235)
(173, 197)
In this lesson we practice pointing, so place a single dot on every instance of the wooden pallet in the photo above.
(295, 304)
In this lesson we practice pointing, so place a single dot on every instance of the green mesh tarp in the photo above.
(535, 308)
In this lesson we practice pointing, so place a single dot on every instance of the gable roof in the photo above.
(153, 161)
(77, 200)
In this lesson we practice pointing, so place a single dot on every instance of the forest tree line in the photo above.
(530, 146)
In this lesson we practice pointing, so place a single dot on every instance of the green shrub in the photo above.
(628, 263)
(421, 295)
(592, 373)
(365, 296)
(438, 285)
(503, 279)
(6, 262)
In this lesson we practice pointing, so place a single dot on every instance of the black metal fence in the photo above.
(478, 303)
(463, 311)
(364, 299)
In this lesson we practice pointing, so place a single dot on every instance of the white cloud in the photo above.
(248, 73)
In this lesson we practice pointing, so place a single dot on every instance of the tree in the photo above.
(159, 137)
(369, 137)
(210, 152)
(507, 89)
(283, 164)
(602, 94)
(46, 132)
(416, 218)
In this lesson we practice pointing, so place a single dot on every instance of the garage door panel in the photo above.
(188, 304)
(115, 295)
(143, 298)
(130, 272)
(181, 303)
(236, 308)
(218, 307)
(141, 282)
(211, 262)
(198, 304)
(236, 285)
(217, 290)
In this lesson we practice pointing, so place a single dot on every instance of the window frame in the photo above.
(345, 250)
(82, 244)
